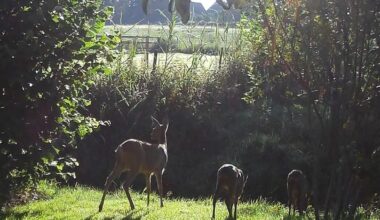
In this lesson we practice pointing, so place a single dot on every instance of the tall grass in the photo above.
(208, 39)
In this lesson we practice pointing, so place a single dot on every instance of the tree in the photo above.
(323, 57)
(50, 51)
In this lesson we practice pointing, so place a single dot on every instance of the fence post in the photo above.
(155, 60)
(147, 51)
(221, 57)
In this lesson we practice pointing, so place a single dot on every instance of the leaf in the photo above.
(86, 102)
(59, 120)
(59, 167)
(55, 18)
(107, 71)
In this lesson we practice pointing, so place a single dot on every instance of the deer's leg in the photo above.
(299, 208)
(159, 186)
(301, 205)
(234, 199)
(229, 206)
(148, 185)
(113, 175)
(131, 176)
(289, 202)
(235, 203)
(213, 206)
(216, 196)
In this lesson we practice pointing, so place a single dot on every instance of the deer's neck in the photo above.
(162, 140)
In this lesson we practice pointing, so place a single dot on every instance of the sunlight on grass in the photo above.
(82, 203)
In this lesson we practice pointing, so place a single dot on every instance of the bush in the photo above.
(49, 51)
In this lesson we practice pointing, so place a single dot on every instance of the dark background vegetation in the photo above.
(303, 92)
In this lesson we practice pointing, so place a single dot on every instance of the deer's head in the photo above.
(226, 4)
(159, 130)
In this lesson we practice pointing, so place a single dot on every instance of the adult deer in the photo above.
(230, 184)
(183, 6)
(136, 157)
(297, 191)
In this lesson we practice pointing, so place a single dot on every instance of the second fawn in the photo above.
(297, 191)
(230, 184)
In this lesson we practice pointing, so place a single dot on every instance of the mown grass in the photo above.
(82, 203)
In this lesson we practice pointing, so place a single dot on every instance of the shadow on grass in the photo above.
(131, 215)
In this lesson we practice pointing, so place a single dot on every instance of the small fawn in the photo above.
(230, 184)
(297, 191)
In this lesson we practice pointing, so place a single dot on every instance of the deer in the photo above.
(183, 7)
(228, 4)
(230, 184)
(136, 156)
(297, 191)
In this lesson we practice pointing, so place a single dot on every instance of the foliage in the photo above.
(318, 65)
(300, 90)
(50, 51)
(209, 125)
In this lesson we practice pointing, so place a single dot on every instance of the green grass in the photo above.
(82, 203)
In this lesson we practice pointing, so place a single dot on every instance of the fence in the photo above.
(142, 44)
(146, 45)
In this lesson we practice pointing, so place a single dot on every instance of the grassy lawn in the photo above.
(185, 61)
(82, 203)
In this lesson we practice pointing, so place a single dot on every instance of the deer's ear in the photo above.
(225, 4)
(154, 122)
(171, 6)
(145, 6)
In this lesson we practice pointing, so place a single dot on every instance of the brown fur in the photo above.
(135, 156)
(297, 189)
(230, 184)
